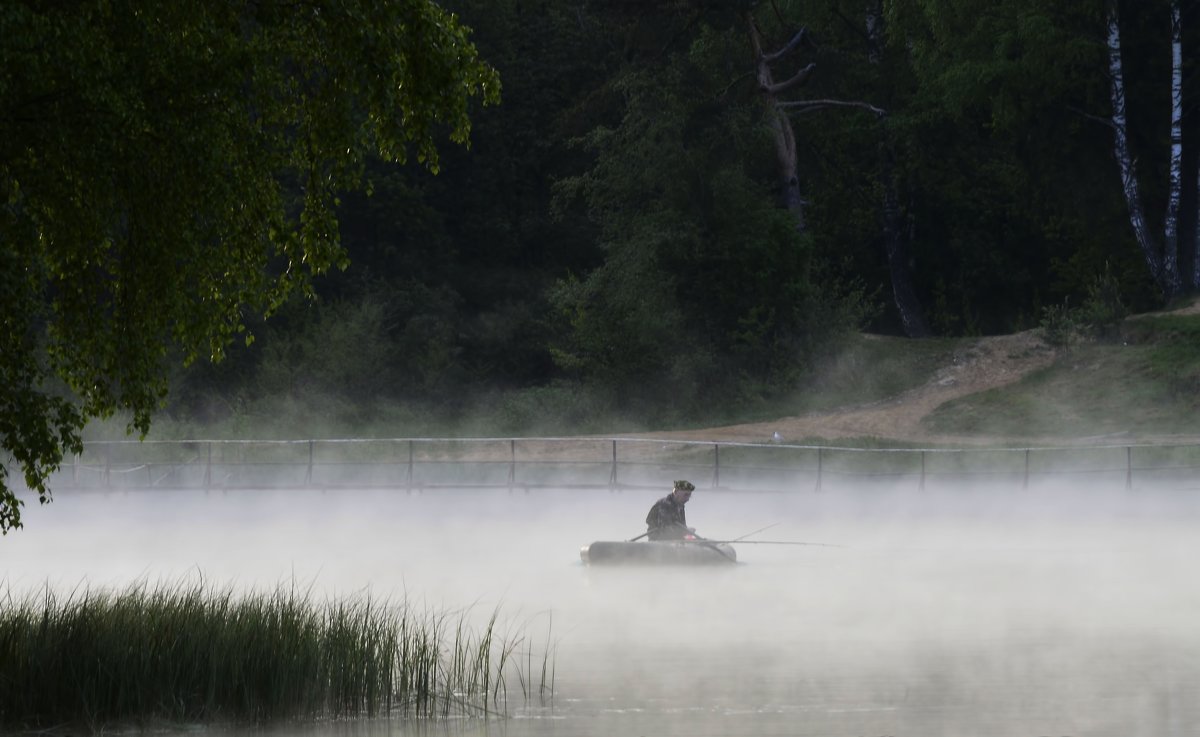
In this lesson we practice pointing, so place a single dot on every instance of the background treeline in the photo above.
(618, 247)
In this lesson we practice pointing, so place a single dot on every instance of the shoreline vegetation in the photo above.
(1076, 377)
(189, 653)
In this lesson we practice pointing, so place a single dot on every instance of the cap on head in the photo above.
(682, 485)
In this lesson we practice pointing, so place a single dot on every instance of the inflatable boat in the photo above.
(658, 553)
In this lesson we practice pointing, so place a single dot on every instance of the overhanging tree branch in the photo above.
(188, 123)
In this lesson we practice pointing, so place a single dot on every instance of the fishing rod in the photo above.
(743, 541)
(748, 534)
(711, 544)
(774, 542)
(673, 525)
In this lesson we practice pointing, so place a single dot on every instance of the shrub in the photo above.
(1059, 327)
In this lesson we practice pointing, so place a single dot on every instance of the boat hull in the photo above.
(658, 553)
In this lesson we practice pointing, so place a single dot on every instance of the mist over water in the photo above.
(1056, 611)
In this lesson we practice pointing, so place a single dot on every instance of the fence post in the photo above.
(1128, 468)
(408, 481)
(922, 486)
(716, 465)
(308, 473)
(612, 476)
(820, 463)
(107, 465)
(1025, 483)
(512, 464)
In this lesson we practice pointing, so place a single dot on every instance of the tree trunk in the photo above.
(781, 126)
(1194, 283)
(912, 316)
(1125, 161)
(1170, 262)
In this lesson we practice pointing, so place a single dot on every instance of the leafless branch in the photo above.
(854, 27)
(809, 106)
(778, 13)
(731, 85)
(798, 79)
(800, 37)
(1094, 118)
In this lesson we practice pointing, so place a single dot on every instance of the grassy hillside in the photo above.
(1145, 383)
(872, 368)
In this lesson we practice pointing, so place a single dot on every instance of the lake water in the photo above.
(1050, 612)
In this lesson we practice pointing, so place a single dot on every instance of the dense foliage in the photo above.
(655, 217)
(166, 169)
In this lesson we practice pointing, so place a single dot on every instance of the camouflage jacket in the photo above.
(666, 520)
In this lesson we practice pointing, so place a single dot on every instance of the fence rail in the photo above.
(612, 463)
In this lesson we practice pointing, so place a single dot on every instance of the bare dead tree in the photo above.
(777, 96)
(781, 126)
(780, 107)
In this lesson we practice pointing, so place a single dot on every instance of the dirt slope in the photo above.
(984, 364)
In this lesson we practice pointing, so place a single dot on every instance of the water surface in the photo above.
(1050, 612)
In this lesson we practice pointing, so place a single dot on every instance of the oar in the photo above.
(712, 545)
(647, 532)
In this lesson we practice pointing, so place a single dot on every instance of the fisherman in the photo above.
(666, 520)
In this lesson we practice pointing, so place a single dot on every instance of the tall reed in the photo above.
(192, 653)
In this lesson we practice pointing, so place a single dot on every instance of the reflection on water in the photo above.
(1052, 613)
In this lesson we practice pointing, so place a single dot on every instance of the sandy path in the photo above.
(986, 363)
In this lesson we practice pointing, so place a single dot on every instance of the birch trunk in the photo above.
(1170, 256)
(1125, 162)
(912, 316)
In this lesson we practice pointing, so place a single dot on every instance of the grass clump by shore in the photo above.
(193, 654)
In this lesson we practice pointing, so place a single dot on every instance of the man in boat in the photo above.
(666, 520)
